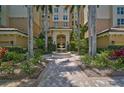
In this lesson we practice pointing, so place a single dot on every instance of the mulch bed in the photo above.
(21, 75)
(98, 72)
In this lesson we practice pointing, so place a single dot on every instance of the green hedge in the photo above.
(114, 47)
(16, 57)
(110, 48)
(17, 49)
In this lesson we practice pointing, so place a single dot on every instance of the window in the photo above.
(120, 21)
(65, 24)
(56, 17)
(55, 24)
(65, 17)
(120, 10)
(64, 10)
(56, 10)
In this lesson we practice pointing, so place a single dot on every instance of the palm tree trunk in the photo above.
(91, 29)
(30, 31)
(78, 31)
(74, 27)
(46, 28)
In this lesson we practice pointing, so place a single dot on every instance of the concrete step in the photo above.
(61, 54)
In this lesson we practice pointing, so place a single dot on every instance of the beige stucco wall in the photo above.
(119, 39)
(103, 41)
(16, 17)
(19, 23)
(17, 11)
(21, 41)
(102, 24)
(103, 12)
(36, 22)
(106, 40)
(5, 40)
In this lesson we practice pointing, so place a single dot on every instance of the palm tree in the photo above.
(91, 29)
(30, 30)
(46, 9)
(84, 29)
(76, 27)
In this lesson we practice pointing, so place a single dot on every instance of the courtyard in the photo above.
(61, 46)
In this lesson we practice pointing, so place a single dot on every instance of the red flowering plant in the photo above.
(3, 51)
(117, 54)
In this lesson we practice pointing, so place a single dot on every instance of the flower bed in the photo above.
(117, 54)
(15, 65)
(105, 64)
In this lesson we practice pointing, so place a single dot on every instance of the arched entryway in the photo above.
(61, 41)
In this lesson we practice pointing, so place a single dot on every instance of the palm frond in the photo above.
(50, 8)
(72, 8)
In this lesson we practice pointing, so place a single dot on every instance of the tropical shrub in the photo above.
(51, 46)
(115, 47)
(102, 61)
(73, 46)
(17, 49)
(27, 68)
(83, 46)
(7, 67)
(40, 42)
(13, 56)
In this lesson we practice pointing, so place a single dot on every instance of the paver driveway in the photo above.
(65, 72)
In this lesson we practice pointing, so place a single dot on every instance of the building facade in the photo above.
(14, 25)
(61, 24)
(109, 25)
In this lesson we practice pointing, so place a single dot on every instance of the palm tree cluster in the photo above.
(48, 9)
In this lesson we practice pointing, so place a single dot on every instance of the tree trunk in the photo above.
(92, 29)
(78, 31)
(30, 31)
(74, 25)
(46, 28)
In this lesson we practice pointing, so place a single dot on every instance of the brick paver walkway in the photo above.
(65, 72)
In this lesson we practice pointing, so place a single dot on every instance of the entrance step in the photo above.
(61, 54)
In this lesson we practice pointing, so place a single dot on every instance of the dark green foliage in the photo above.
(83, 46)
(40, 41)
(83, 29)
(38, 52)
(16, 49)
(16, 57)
(73, 46)
(27, 68)
(102, 61)
(73, 41)
(115, 47)
(7, 68)
(110, 48)
(51, 46)
(82, 43)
